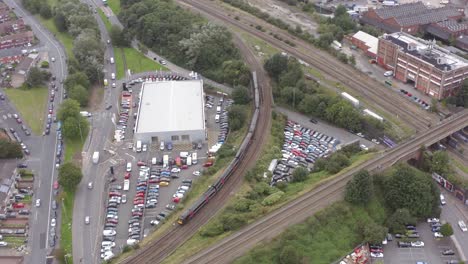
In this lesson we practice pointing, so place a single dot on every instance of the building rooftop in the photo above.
(428, 16)
(171, 106)
(370, 40)
(453, 25)
(401, 10)
(427, 51)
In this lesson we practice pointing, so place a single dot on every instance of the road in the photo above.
(86, 238)
(271, 225)
(42, 159)
(330, 68)
(452, 212)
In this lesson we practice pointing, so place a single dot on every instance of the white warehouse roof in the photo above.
(171, 106)
(370, 41)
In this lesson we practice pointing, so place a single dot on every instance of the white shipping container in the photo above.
(351, 99)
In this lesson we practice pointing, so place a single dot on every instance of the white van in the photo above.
(112, 60)
(113, 76)
(154, 161)
(218, 109)
(442, 200)
(109, 232)
(189, 160)
(129, 166)
(217, 118)
(194, 158)
(138, 146)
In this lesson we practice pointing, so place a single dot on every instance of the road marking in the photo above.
(35, 216)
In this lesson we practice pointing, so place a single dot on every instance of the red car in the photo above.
(137, 214)
(19, 121)
(18, 205)
(184, 167)
(56, 185)
(113, 221)
(208, 164)
(138, 202)
(141, 163)
(142, 184)
(127, 175)
(154, 180)
(140, 195)
(114, 194)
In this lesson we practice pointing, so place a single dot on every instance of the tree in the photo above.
(336, 162)
(236, 72)
(60, 22)
(289, 255)
(237, 117)
(118, 37)
(276, 65)
(45, 11)
(440, 163)
(373, 232)
(241, 95)
(360, 189)
(408, 188)
(68, 108)
(446, 230)
(77, 78)
(232, 221)
(75, 128)
(397, 221)
(69, 176)
(36, 77)
(10, 150)
(300, 174)
(80, 94)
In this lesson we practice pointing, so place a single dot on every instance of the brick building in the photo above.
(11, 26)
(433, 70)
(16, 40)
(449, 29)
(365, 42)
(410, 18)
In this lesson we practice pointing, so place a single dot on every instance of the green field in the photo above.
(105, 20)
(63, 37)
(135, 61)
(114, 5)
(31, 104)
(66, 224)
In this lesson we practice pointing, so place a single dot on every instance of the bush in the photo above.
(243, 205)
(237, 117)
(45, 64)
(300, 174)
(232, 221)
(10, 150)
(212, 229)
(446, 230)
(272, 198)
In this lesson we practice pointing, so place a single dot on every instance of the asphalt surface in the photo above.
(42, 159)
(453, 212)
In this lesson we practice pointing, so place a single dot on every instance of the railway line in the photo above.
(273, 224)
(160, 248)
(365, 87)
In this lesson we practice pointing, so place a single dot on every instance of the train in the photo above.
(221, 181)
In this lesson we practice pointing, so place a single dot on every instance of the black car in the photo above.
(22, 165)
(404, 244)
(313, 121)
(448, 252)
(108, 107)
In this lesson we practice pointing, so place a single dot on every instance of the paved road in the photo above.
(86, 238)
(452, 212)
(42, 160)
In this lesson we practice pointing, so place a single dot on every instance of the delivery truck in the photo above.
(96, 157)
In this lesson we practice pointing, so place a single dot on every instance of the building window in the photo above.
(175, 138)
(185, 137)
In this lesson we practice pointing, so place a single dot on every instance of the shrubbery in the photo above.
(9, 149)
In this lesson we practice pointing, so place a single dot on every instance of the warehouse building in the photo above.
(365, 42)
(171, 111)
(411, 18)
(432, 69)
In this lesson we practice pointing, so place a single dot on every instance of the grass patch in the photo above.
(72, 147)
(263, 47)
(114, 5)
(63, 37)
(322, 238)
(14, 241)
(135, 61)
(27, 198)
(105, 20)
(32, 104)
(66, 223)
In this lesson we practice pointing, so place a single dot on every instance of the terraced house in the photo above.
(432, 69)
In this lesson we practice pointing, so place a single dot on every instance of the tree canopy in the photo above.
(241, 95)
(360, 189)
(237, 117)
(10, 150)
(37, 77)
(69, 176)
(300, 174)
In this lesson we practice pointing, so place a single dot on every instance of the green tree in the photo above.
(36, 77)
(446, 230)
(69, 176)
(45, 11)
(360, 189)
(237, 117)
(118, 37)
(10, 150)
(242, 205)
(236, 72)
(289, 255)
(336, 162)
(68, 108)
(408, 188)
(397, 221)
(241, 95)
(276, 65)
(80, 94)
(300, 174)
(75, 128)
(232, 221)
(373, 232)
(440, 163)
(77, 78)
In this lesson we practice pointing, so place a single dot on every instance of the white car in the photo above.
(154, 222)
(363, 147)
(196, 173)
(161, 146)
(144, 148)
(438, 235)
(3, 244)
(417, 244)
(86, 220)
(433, 220)
(129, 166)
(124, 198)
(90, 185)
(53, 222)
(113, 85)
(462, 226)
(175, 170)
(109, 232)
(38, 202)
(53, 59)
(376, 255)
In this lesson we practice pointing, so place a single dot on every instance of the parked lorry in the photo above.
(126, 186)
(96, 157)
(138, 146)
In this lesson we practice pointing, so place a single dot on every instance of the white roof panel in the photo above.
(171, 106)
(370, 40)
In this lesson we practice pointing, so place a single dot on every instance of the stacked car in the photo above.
(134, 224)
(415, 99)
(112, 219)
(302, 147)
(376, 251)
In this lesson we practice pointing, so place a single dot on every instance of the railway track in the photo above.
(273, 224)
(156, 251)
(365, 87)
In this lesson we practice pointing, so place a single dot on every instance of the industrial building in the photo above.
(171, 111)
(432, 69)
(411, 18)
(365, 42)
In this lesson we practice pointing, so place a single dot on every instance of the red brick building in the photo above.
(449, 29)
(365, 42)
(410, 18)
(433, 70)
(11, 26)
(16, 40)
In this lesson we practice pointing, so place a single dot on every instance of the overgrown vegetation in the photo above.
(185, 38)
(335, 231)
(74, 125)
(461, 98)
(291, 88)
(10, 150)
(37, 77)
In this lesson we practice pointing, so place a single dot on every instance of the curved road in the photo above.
(273, 224)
